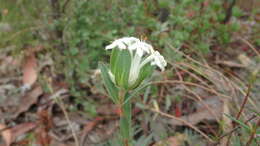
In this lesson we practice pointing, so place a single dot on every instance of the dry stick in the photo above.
(244, 102)
(186, 56)
(250, 45)
(195, 76)
(178, 73)
(183, 121)
(64, 6)
(60, 103)
(231, 84)
(241, 109)
(236, 79)
(192, 75)
(229, 12)
(241, 90)
(191, 84)
(194, 84)
(253, 134)
(195, 61)
(208, 67)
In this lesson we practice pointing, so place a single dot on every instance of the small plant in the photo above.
(131, 62)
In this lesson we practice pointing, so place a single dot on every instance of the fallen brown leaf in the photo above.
(89, 126)
(58, 143)
(11, 134)
(7, 135)
(231, 64)
(27, 101)
(172, 141)
(202, 113)
(103, 109)
(93, 134)
(42, 131)
(29, 71)
(21, 129)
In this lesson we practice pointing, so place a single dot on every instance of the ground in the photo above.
(52, 93)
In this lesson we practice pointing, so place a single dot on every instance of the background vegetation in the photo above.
(211, 81)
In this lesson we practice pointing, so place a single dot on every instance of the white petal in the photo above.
(111, 46)
(129, 40)
(159, 60)
(147, 60)
(141, 46)
(134, 69)
(139, 52)
(146, 47)
(133, 47)
(122, 43)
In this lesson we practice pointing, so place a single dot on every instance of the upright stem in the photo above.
(125, 123)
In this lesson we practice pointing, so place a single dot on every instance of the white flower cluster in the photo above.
(141, 54)
(141, 47)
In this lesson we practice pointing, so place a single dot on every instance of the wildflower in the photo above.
(131, 61)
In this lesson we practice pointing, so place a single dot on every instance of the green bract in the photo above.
(132, 61)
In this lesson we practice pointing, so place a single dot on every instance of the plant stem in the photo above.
(125, 123)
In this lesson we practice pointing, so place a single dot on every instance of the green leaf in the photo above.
(113, 59)
(126, 65)
(110, 86)
(122, 68)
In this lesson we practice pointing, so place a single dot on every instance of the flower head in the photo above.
(132, 60)
(122, 43)
(159, 60)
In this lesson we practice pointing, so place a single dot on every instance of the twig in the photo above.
(181, 120)
(192, 75)
(64, 6)
(191, 84)
(250, 45)
(229, 12)
(212, 69)
(61, 104)
(244, 102)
